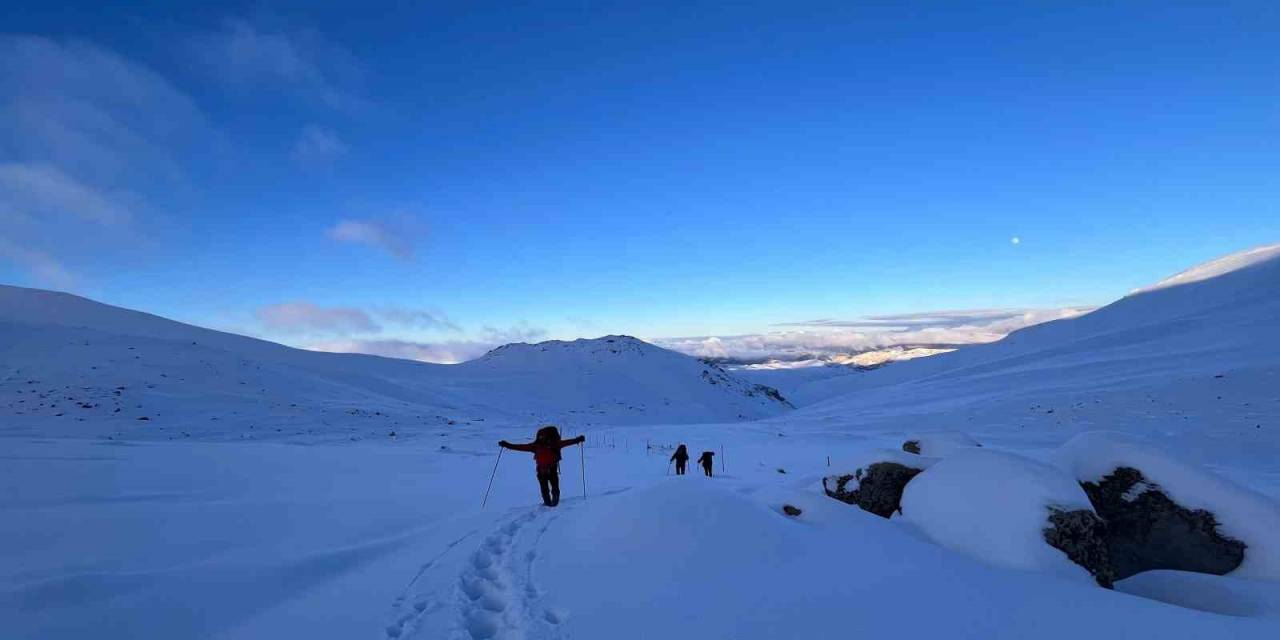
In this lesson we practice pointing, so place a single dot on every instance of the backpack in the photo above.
(551, 434)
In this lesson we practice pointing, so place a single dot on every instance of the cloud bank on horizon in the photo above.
(830, 339)
(811, 342)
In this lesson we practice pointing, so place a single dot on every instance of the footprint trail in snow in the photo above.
(498, 596)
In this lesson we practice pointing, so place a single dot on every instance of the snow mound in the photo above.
(1216, 594)
(1241, 513)
(994, 507)
(1217, 267)
(859, 460)
(939, 444)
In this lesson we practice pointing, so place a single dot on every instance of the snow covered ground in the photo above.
(332, 528)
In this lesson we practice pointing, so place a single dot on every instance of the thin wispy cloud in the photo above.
(93, 114)
(87, 134)
(316, 145)
(448, 351)
(308, 318)
(930, 319)
(522, 332)
(283, 58)
(43, 190)
(311, 319)
(397, 237)
(44, 267)
(826, 338)
(417, 319)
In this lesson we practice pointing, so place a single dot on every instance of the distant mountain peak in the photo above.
(616, 344)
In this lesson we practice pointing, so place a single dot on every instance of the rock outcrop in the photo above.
(1082, 535)
(1147, 530)
(877, 488)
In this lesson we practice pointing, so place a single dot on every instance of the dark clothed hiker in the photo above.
(706, 463)
(681, 458)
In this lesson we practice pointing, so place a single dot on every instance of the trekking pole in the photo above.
(668, 467)
(582, 464)
(495, 472)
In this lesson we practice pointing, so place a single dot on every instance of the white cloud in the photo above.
(308, 318)
(417, 318)
(442, 351)
(283, 58)
(397, 237)
(317, 145)
(828, 338)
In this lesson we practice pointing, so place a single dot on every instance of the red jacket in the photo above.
(546, 454)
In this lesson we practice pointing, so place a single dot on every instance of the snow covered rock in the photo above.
(877, 485)
(1147, 530)
(1082, 535)
(939, 444)
(997, 508)
(1162, 513)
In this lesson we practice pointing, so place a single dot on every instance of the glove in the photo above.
(504, 444)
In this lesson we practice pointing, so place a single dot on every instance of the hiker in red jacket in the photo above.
(546, 448)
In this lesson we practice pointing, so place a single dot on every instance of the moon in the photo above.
(1015, 240)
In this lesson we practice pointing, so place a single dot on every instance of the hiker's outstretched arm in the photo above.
(517, 447)
(572, 441)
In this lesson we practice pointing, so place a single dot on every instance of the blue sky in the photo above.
(427, 181)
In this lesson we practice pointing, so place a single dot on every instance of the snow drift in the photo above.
(994, 507)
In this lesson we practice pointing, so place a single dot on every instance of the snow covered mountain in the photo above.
(73, 366)
(1193, 357)
(387, 537)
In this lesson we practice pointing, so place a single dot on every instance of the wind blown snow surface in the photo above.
(333, 528)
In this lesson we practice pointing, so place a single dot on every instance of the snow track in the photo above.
(497, 593)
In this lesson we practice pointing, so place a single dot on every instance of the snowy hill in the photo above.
(1193, 356)
(73, 366)
(320, 537)
(622, 377)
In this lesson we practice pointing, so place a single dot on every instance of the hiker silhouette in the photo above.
(706, 463)
(681, 458)
(546, 448)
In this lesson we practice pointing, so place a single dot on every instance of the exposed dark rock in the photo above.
(1082, 535)
(772, 394)
(877, 489)
(1147, 530)
(911, 446)
(791, 510)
